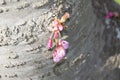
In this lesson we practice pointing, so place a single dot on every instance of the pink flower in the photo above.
(49, 44)
(65, 44)
(109, 15)
(59, 54)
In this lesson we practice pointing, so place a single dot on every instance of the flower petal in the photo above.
(58, 54)
(65, 44)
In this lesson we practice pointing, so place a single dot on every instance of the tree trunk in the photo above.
(25, 29)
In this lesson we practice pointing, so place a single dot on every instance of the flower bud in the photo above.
(56, 34)
(49, 44)
(65, 17)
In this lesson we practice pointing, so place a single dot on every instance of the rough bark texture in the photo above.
(25, 28)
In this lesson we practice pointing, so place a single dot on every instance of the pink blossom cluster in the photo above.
(61, 45)
(111, 14)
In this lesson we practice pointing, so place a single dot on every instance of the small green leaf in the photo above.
(117, 1)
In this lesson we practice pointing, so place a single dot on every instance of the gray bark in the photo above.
(24, 31)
